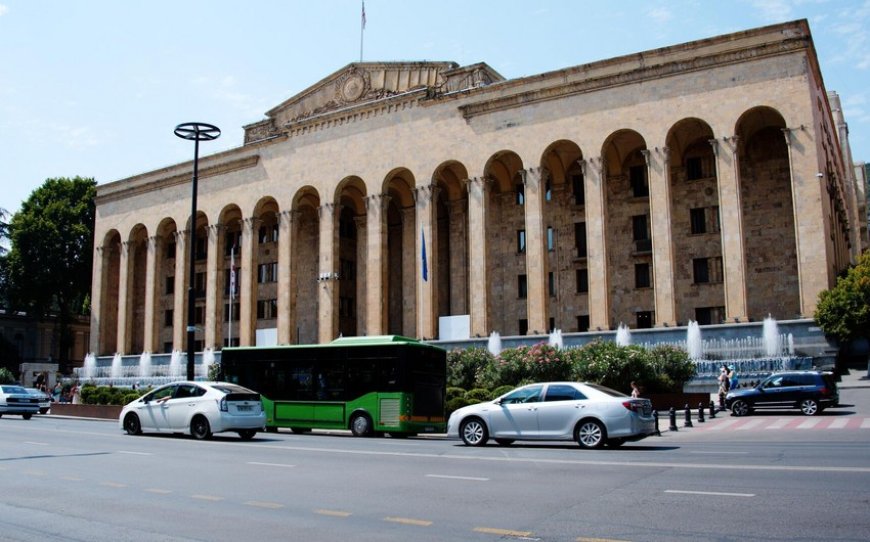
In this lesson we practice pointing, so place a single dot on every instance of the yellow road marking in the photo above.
(213, 498)
(264, 504)
(501, 532)
(113, 484)
(409, 521)
(334, 513)
(158, 490)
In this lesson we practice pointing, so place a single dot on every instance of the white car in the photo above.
(16, 400)
(195, 408)
(589, 414)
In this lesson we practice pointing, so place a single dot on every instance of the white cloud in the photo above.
(3, 10)
(774, 10)
(660, 14)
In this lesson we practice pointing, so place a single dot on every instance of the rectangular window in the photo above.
(167, 347)
(700, 270)
(233, 240)
(645, 319)
(578, 189)
(522, 287)
(640, 233)
(551, 239)
(168, 318)
(582, 277)
(698, 219)
(548, 195)
(637, 177)
(694, 170)
(170, 285)
(552, 323)
(201, 248)
(267, 272)
(713, 219)
(709, 315)
(583, 322)
(521, 241)
(233, 342)
(235, 316)
(521, 194)
(267, 309)
(199, 285)
(551, 284)
(641, 275)
(580, 239)
(170, 250)
(199, 315)
(524, 326)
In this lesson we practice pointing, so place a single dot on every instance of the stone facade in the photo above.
(707, 181)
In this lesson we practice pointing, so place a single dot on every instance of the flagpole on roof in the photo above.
(362, 27)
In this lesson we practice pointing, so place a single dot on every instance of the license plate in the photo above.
(244, 408)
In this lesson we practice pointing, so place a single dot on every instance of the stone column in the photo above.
(248, 290)
(327, 277)
(426, 279)
(376, 244)
(360, 271)
(659, 175)
(596, 244)
(286, 230)
(97, 280)
(152, 274)
(811, 246)
(534, 180)
(478, 200)
(124, 281)
(213, 268)
(179, 298)
(731, 225)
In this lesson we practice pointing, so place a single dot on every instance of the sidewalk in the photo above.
(854, 378)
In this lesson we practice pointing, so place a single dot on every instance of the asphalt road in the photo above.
(769, 477)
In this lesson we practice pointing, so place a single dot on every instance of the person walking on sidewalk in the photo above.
(724, 385)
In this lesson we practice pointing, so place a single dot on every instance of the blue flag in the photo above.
(423, 255)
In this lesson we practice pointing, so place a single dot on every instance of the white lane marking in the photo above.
(839, 423)
(270, 464)
(865, 424)
(721, 453)
(36, 443)
(134, 453)
(449, 477)
(752, 424)
(780, 423)
(710, 493)
(723, 425)
(809, 424)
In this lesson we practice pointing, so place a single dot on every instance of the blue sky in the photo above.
(96, 87)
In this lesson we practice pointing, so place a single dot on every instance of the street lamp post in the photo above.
(196, 132)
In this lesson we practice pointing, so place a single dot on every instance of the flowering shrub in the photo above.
(464, 366)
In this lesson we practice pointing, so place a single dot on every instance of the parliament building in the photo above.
(708, 181)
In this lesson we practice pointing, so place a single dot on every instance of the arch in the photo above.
(350, 197)
(767, 212)
(401, 222)
(695, 232)
(110, 252)
(137, 258)
(450, 245)
(165, 250)
(304, 265)
(628, 230)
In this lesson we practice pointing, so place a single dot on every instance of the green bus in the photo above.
(370, 385)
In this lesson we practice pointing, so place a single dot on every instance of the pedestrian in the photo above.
(55, 394)
(724, 386)
(732, 378)
(635, 389)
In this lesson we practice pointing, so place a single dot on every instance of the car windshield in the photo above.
(13, 389)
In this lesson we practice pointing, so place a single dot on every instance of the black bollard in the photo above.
(688, 417)
(712, 409)
(700, 412)
(656, 417)
(672, 414)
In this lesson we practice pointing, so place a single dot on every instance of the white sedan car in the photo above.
(16, 400)
(196, 408)
(589, 414)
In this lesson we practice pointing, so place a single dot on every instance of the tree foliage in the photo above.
(843, 311)
(50, 260)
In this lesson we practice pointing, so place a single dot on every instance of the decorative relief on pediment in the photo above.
(352, 86)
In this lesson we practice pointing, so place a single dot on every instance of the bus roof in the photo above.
(372, 340)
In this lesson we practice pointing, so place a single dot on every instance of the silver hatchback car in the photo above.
(589, 414)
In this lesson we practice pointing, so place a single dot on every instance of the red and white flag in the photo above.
(233, 273)
(364, 14)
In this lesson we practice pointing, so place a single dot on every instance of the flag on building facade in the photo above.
(233, 273)
(423, 256)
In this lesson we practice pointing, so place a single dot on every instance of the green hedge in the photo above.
(108, 395)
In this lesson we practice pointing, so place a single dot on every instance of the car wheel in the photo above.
(504, 441)
(27, 416)
(132, 425)
(810, 407)
(590, 434)
(247, 434)
(361, 425)
(199, 428)
(740, 408)
(473, 432)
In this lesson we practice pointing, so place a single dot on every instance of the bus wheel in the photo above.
(361, 425)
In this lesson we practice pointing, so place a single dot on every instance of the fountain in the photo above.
(145, 365)
(175, 364)
(90, 367)
(494, 344)
(623, 335)
(556, 338)
(115, 372)
(207, 362)
(772, 340)
(694, 345)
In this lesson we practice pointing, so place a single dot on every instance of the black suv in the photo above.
(809, 391)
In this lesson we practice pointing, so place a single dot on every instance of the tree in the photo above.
(843, 311)
(50, 262)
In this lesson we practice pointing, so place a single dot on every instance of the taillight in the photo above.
(632, 406)
(223, 405)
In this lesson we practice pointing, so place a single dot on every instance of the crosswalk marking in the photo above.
(779, 424)
(809, 424)
(865, 424)
(785, 423)
(839, 423)
(750, 425)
